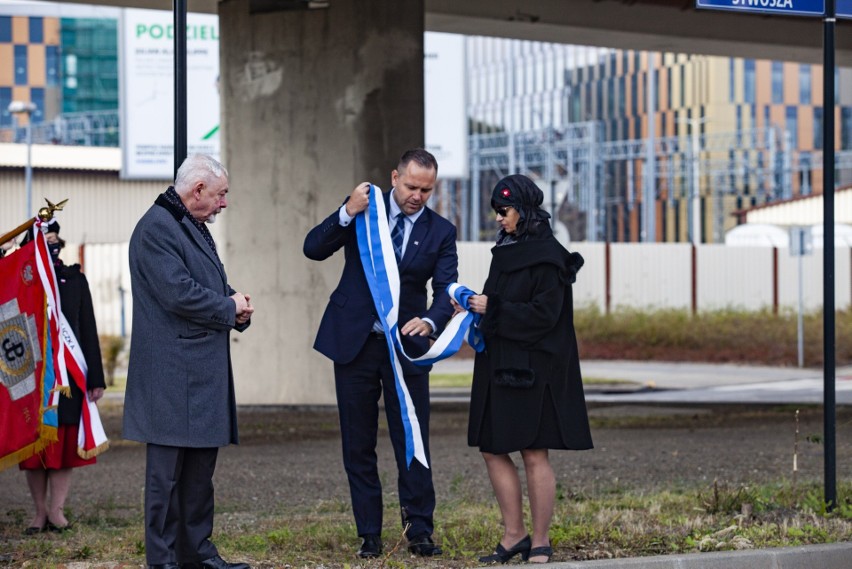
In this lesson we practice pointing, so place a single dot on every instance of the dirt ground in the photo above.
(290, 458)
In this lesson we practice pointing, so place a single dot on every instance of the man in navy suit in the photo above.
(351, 335)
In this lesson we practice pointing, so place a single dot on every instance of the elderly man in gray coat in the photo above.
(180, 387)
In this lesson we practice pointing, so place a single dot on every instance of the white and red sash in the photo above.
(68, 358)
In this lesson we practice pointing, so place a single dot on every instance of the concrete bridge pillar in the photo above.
(314, 102)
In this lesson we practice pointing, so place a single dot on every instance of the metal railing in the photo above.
(89, 128)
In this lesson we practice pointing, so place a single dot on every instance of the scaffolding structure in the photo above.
(576, 165)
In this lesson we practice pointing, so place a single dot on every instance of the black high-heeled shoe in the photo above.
(50, 526)
(503, 555)
(541, 551)
(32, 530)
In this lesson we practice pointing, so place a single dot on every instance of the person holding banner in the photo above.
(180, 386)
(49, 472)
(358, 340)
(527, 392)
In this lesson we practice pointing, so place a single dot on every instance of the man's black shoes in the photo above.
(423, 546)
(215, 563)
(371, 547)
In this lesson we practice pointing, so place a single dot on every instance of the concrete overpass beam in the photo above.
(314, 102)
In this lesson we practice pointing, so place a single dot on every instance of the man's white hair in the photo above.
(197, 168)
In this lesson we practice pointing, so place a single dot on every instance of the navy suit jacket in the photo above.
(350, 314)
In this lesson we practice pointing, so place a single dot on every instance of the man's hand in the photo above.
(244, 307)
(416, 327)
(456, 306)
(359, 199)
(246, 314)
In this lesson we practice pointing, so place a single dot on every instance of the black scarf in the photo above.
(522, 194)
(173, 198)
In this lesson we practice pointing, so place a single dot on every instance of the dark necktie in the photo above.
(397, 235)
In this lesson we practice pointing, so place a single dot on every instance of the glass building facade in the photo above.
(89, 64)
(729, 133)
(65, 66)
(29, 67)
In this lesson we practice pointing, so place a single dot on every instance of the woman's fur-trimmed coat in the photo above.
(530, 348)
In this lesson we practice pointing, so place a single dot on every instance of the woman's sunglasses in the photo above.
(502, 211)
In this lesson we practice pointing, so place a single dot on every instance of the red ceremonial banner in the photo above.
(23, 325)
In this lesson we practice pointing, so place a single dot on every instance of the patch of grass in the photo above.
(118, 385)
(604, 525)
(755, 337)
(450, 379)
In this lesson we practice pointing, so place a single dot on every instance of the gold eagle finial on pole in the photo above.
(45, 214)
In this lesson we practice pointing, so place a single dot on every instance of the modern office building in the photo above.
(727, 133)
(29, 65)
(89, 48)
(64, 59)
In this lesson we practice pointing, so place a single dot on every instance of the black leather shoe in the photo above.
(424, 546)
(165, 566)
(371, 547)
(215, 563)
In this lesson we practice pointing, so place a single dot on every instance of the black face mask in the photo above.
(54, 249)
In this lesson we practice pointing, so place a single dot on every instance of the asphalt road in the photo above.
(678, 382)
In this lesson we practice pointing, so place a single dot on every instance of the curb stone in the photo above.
(829, 556)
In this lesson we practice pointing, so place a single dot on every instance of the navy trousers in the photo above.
(179, 504)
(359, 385)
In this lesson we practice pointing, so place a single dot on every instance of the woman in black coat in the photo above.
(527, 392)
(50, 470)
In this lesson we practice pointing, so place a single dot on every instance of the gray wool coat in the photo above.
(180, 387)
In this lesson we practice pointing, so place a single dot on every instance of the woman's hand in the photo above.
(96, 393)
(478, 303)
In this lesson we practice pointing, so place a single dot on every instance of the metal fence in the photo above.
(91, 128)
(623, 275)
(580, 167)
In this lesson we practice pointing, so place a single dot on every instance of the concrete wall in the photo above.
(314, 102)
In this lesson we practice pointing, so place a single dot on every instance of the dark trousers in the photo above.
(359, 385)
(179, 504)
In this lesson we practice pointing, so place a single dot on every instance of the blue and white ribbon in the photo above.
(380, 267)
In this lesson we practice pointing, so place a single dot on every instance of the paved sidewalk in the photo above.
(672, 375)
(683, 382)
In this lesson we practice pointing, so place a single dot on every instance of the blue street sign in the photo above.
(844, 8)
(789, 7)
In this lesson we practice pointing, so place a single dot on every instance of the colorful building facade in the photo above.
(728, 132)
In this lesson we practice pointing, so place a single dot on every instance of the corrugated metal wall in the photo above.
(788, 279)
(101, 207)
(642, 276)
(734, 277)
(108, 273)
(649, 275)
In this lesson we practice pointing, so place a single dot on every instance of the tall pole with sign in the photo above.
(180, 82)
(829, 418)
(828, 10)
(801, 244)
